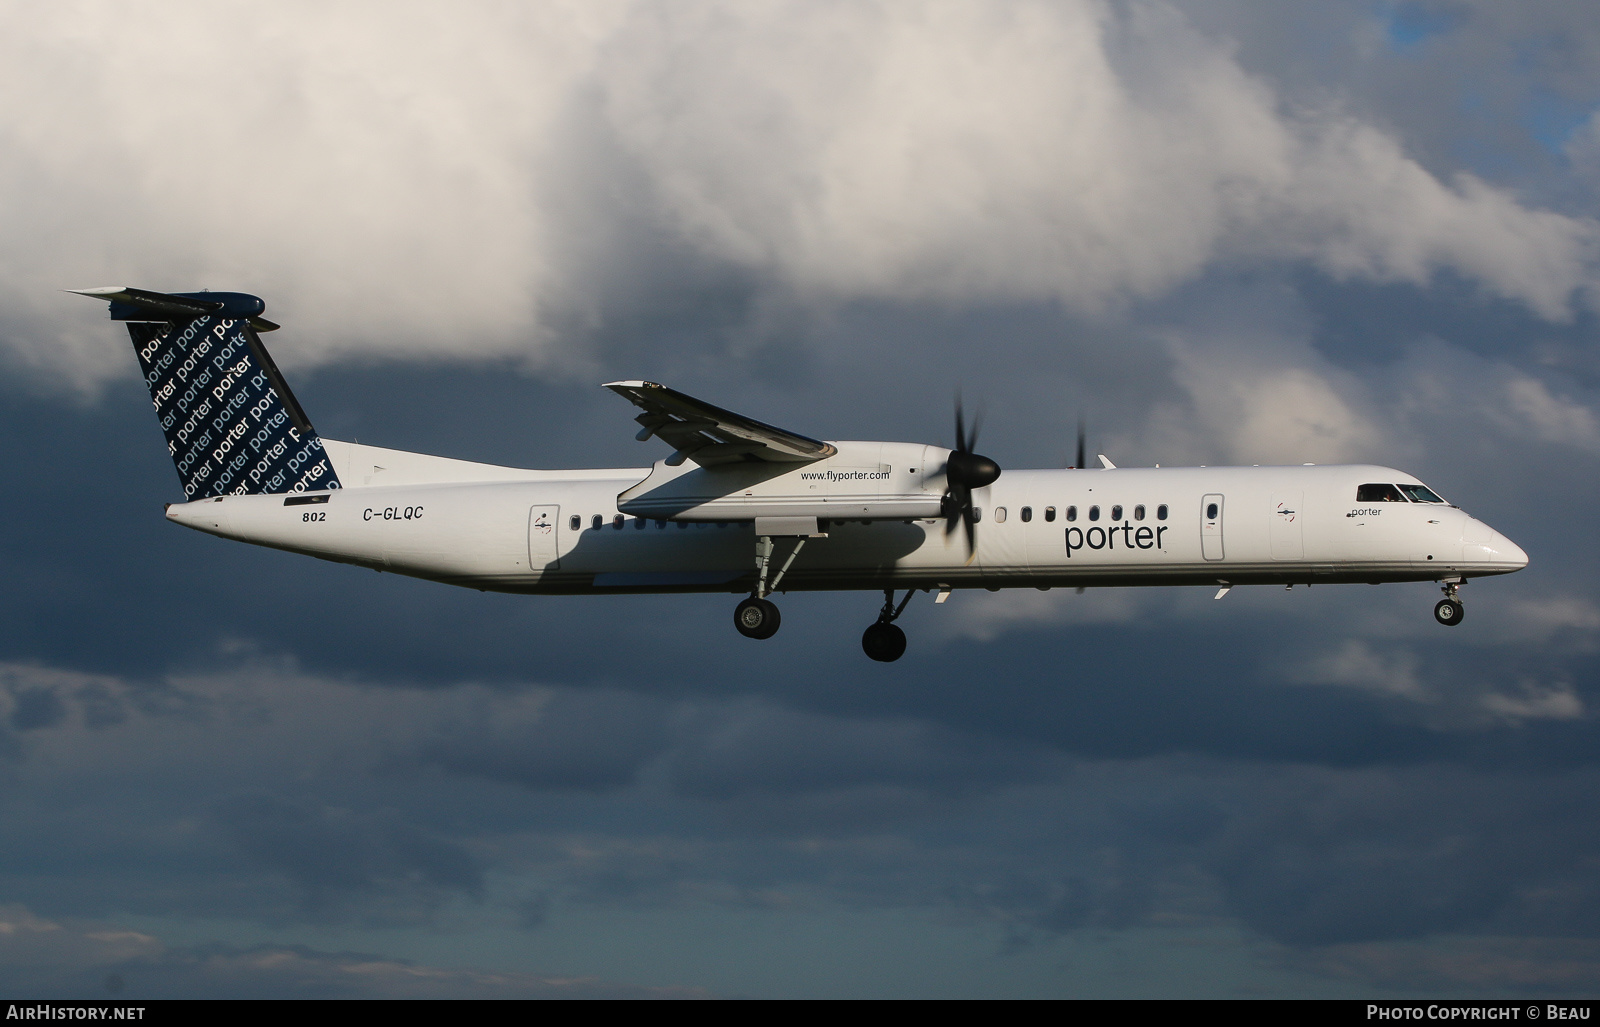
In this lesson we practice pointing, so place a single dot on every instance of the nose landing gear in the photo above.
(883, 640)
(1449, 611)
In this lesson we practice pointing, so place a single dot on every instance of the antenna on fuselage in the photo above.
(1083, 446)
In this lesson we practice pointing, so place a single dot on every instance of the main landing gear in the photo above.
(1449, 611)
(757, 617)
(883, 640)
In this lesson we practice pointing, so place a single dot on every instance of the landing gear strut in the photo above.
(757, 617)
(1449, 611)
(883, 640)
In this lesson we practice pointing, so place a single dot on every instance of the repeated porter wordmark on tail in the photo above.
(228, 428)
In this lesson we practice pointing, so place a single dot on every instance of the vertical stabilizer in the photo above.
(232, 425)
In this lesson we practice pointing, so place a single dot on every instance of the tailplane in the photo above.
(232, 425)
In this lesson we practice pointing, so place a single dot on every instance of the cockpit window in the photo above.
(1420, 494)
(1379, 494)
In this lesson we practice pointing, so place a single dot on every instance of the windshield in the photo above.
(1420, 494)
(1379, 493)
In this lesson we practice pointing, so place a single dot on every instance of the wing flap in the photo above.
(710, 435)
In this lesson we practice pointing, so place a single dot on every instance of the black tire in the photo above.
(885, 643)
(756, 618)
(1449, 612)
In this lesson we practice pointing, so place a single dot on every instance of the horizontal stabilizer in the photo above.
(178, 307)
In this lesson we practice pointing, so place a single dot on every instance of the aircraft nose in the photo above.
(1482, 543)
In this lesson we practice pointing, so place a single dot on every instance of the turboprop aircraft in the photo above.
(743, 507)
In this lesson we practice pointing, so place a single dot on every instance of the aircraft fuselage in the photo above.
(567, 532)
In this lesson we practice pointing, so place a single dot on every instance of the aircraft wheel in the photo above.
(756, 618)
(885, 643)
(1448, 612)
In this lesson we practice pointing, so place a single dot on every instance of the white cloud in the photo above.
(1260, 409)
(28, 940)
(1362, 208)
(428, 183)
(1355, 664)
(370, 170)
(983, 617)
(1533, 701)
(1080, 152)
(1541, 619)
(1551, 418)
(1457, 703)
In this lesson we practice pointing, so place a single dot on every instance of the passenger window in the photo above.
(1116, 512)
(683, 525)
(1027, 514)
(1211, 511)
(575, 522)
(1161, 512)
(596, 521)
(1420, 494)
(1094, 513)
(638, 523)
(1072, 513)
(977, 514)
(616, 522)
(1049, 513)
(660, 524)
(999, 515)
(1138, 512)
(1379, 494)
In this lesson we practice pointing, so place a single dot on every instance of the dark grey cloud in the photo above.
(35, 708)
(332, 855)
(328, 803)
(589, 741)
(92, 960)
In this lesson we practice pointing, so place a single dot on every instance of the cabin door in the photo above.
(543, 524)
(1288, 519)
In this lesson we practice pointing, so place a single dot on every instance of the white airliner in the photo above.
(743, 507)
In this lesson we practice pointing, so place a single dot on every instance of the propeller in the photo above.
(1083, 447)
(964, 471)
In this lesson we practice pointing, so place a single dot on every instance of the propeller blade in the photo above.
(955, 502)
(1083, 445)
(965, 470)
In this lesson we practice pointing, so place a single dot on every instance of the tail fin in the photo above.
(232, 425)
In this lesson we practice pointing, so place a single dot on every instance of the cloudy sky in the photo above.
(1222, 230)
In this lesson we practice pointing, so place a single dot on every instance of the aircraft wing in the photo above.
(710, 435)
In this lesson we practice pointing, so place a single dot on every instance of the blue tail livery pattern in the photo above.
(232, 425)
